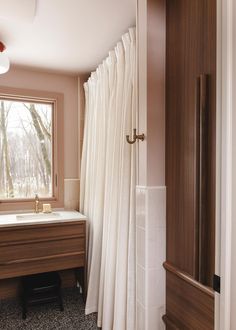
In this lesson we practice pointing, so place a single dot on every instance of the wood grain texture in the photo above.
(41, 248)
(190, 163)
(17, 234)
(202, 174)
(188, 279)
(170, 325)
(209, 67)
(184, 52)
(187, 23)
(188, 307)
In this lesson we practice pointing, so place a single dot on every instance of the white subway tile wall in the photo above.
(140, 287)
(141, 247)
(151, 253)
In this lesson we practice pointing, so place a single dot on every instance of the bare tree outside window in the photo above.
(25, 149)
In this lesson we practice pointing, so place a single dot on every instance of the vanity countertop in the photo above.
(24, 219)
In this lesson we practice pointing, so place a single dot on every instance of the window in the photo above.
(29, 147)
(25, 149)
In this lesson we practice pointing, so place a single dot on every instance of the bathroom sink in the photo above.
(38, 216)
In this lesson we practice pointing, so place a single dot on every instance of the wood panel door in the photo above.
(190, 163)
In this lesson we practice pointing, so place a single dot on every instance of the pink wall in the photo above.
(151, 92)
(68, 85)
(156, 93)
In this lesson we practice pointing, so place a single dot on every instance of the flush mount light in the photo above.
(4, 60)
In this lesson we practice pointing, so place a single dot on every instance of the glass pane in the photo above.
(25, 149)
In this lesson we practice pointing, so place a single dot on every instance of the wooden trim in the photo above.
(42, 225)
(29, 94)
(55, 256)
(42, 266)
(23, 200)
(225, 108)
(187, 306)
(57, 99)
(202, 174)
(184, 276)
(41, 240)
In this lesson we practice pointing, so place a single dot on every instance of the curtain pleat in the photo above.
(108, 187)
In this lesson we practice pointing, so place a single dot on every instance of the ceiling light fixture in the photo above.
(4, 60)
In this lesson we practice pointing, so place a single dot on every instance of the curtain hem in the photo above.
(91, 310)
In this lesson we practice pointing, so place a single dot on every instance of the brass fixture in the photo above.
(135, 137)
(36, 205)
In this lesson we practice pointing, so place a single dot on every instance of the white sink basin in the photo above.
(38, 216)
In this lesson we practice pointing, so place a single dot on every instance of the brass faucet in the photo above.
(36, 205)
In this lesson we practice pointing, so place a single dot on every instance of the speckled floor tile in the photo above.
(48, 317)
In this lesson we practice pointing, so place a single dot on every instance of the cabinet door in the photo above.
(190, 162)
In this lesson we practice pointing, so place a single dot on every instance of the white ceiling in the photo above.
(71, 36)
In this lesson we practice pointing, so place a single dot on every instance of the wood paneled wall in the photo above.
(190, 163)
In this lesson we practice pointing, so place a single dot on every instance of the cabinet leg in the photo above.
(80, 276)
(60, 300)
(24, 309)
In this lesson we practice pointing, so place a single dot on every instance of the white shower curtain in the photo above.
(108, 187)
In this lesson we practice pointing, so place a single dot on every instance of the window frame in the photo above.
(57, 101)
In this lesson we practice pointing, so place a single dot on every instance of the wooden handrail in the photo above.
(187, 278)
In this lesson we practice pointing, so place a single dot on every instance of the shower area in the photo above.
(122, 178)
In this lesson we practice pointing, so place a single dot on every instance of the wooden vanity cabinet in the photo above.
(39, 248)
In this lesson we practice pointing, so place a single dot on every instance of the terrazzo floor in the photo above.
(48, 317)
